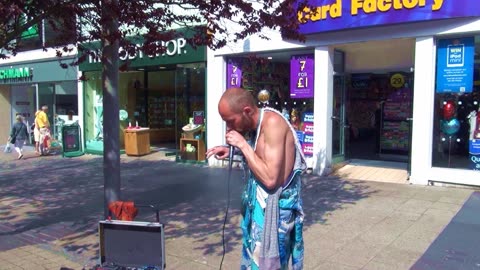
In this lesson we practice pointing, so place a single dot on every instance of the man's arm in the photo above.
(46, 121)
(269, 170)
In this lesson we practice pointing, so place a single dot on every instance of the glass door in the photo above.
(339, 123)
(340, 127)
(190, 112)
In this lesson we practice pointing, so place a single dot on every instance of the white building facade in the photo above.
(400, 84)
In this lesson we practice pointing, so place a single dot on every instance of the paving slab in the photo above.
(51, 221)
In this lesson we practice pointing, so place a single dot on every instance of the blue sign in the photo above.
(474, 147)
(475, 162)
(308, 138)
(455, 65)
(331, 15)
(308, 117)
(300, 136)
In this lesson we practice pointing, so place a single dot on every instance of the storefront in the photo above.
(382, 86)
(26, 85)
(159, 92)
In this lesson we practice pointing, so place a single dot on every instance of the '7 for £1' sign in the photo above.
(301, 76)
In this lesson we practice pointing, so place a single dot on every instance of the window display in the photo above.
(456, 139)
(259, 74)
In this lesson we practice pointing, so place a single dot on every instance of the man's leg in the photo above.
(36, 138)
(19, 148)
(43, 133)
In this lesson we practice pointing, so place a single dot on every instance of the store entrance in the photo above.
(378, 98)
(379, 109)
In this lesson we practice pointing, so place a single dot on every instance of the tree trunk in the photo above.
(111, 121)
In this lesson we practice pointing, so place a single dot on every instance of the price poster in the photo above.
(302, 76)
(455, 61)
(234, 74)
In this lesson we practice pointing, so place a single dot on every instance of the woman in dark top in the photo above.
(19, 135)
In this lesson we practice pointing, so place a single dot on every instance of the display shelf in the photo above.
(137, 141)
(161, 112)
(198, 155)
(395, 132)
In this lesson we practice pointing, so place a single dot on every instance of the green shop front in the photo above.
(25, 86)
(161, 93)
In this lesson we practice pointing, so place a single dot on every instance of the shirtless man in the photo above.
(274, 161)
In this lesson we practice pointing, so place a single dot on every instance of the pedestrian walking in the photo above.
(19, 135)
(41, 121)
(36, 133)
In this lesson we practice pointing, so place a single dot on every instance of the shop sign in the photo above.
(234, 74)
(71, 138)
(171, 48)
(302, 76)
(331, 15)
(397, 80)
(176, 51)
(455, 60)
(16, 74)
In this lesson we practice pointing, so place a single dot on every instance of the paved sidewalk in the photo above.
(50, 207)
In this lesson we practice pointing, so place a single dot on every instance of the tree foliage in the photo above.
(68, 24)
(213, 23)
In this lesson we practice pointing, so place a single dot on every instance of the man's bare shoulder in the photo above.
(274, 122)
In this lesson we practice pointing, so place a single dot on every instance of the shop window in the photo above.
(278, 74)
(93, 106)
(456, 126)
(163, 100)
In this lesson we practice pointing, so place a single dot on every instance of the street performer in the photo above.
(271, 202)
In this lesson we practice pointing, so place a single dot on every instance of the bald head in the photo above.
(237, 108)
(236, 99)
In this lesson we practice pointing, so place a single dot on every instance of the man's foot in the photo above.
(21, 156)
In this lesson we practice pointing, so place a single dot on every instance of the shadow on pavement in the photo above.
(63, 199)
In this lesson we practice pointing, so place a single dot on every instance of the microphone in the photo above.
(230, 157)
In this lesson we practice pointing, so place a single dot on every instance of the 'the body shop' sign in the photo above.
(175, 51)
(172, 47)
(330, 15)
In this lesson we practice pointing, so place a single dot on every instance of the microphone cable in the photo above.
(230, 159)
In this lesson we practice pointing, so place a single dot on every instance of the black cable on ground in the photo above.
(228, 203)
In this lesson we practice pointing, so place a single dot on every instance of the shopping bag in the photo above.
(8, 148)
